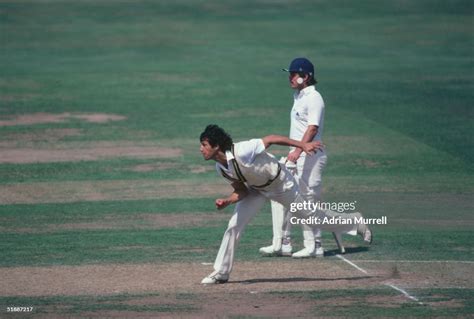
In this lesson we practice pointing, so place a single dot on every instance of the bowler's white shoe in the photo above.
(268, 251)
(305, 253)
(363, 230)
(215, 278)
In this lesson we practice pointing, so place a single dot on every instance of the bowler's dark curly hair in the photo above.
(217, 136)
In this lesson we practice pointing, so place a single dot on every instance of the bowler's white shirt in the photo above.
(246, 150)
(308, 109)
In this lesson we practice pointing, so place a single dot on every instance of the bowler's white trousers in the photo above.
(285, 191)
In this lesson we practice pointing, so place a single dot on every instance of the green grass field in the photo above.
(101, 107)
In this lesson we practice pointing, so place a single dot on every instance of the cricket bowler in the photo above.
(256, 177)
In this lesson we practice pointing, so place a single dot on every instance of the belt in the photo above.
(270, 180)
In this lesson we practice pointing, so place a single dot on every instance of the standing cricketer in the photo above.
(256, 176)
(307, 124)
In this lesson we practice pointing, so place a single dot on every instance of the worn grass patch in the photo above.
(78, 191)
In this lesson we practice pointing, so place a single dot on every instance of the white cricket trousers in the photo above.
(244, 211)
(309, 169)
(285, 192)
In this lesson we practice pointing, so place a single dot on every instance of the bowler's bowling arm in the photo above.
(308, 147)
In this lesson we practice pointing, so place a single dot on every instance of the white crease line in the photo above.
(406, 294)
(352, 264)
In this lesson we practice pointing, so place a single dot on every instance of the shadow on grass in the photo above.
(296, 279)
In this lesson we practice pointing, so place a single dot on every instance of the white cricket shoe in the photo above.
(215, 278)
(363, 230)
(268, 251)
(318, 251)
(305, 253)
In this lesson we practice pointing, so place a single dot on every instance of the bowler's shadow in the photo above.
(297, 279)
(328, 253)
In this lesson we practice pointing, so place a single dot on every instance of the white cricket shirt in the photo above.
(247, 151)
(308, 109)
